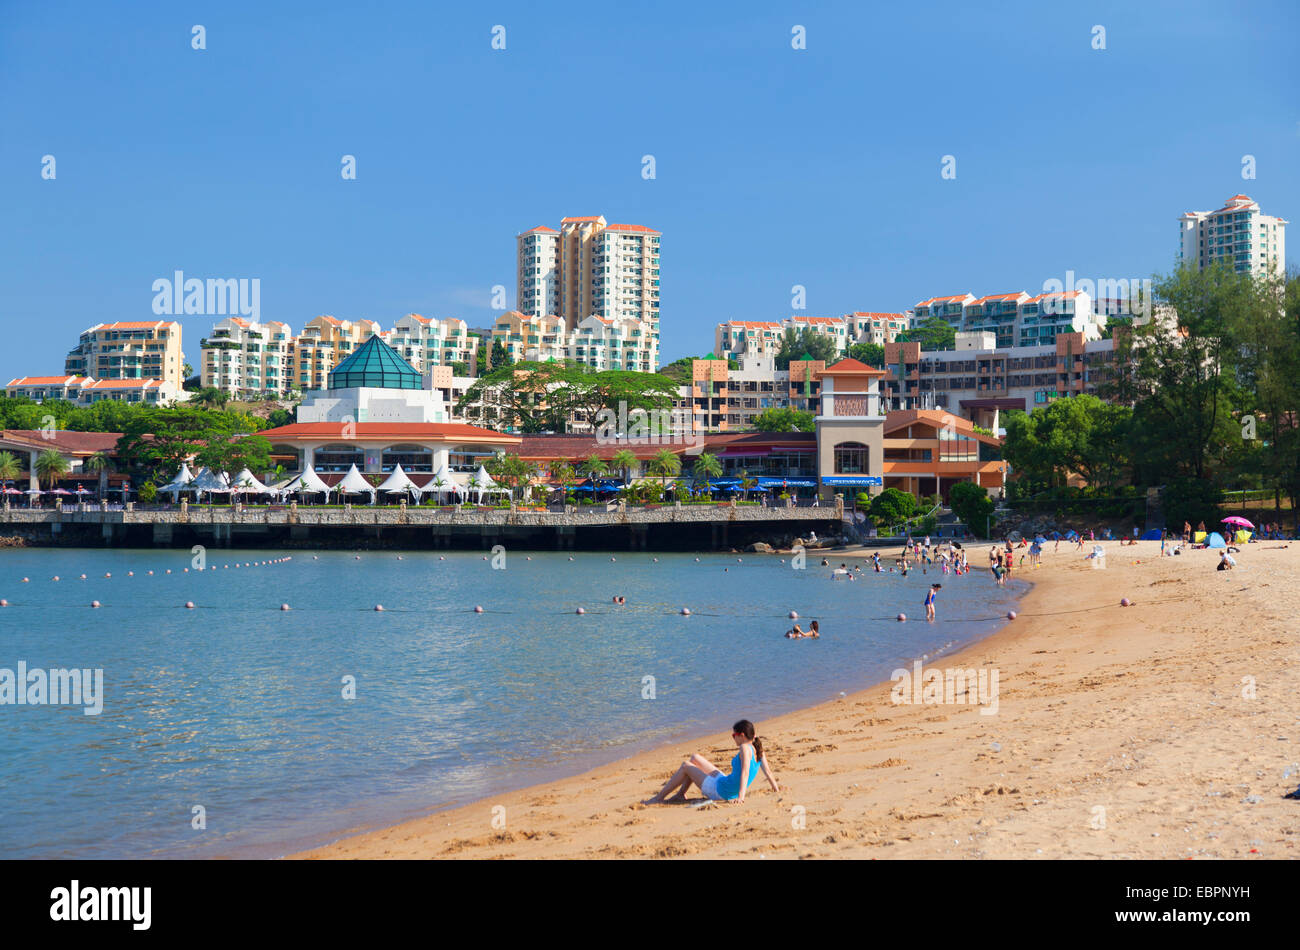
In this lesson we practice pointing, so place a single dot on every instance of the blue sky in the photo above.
(775, 167)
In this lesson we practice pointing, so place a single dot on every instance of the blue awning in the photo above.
(852, 481)
(770, 482)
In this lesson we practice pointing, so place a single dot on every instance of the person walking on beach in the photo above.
(715, 786)
(929, 601)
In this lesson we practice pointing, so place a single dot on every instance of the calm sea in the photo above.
(238, 708)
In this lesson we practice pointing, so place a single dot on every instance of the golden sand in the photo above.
(1161, 730)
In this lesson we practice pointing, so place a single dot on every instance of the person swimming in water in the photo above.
(711, 781)
(795, 633)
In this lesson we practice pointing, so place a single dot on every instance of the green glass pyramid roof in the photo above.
(378, 365)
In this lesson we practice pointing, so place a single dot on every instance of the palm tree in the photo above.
(563, 473)
(747, 483)
(10, 468)
(707, 466)
(665, 463)
(50, 465)
(98, 463)
(624, 461)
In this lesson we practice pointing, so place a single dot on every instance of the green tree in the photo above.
(804, 341)
(972, 504)
(666, 464)
(99, 464)
(10, 468)
(563, 472)
(148, 493)
(623, 461)
(706, 466)
(933, 333)
(512, 472)
(1082, 435)
(784, 420)
(892, 507)
(50, 467)
(873, 354)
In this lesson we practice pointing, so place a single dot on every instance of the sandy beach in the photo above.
(1167, 729)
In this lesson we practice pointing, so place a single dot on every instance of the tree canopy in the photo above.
(781, 419)
(805, 341)
(933, 333)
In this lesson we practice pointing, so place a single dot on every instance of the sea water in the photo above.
(236, 729)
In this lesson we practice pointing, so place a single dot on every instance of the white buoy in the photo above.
(686, 611)
(478, 609)
(94, 603)
(130, 573)
(55, 577)
(580, 611)
(902, 617)
(379, 606)
(83, 577)
(284, 606)
(794, 615)
(189, 605)
(169, 570)
(4, 603)
(109, 574)
(1011, 615)
(26, 581)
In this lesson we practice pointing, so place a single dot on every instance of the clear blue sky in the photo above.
(775, 167)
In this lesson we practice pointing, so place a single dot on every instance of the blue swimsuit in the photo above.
(728, 786)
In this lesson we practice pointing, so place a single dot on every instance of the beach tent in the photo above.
(182, 479)
(245, 482)
(1242, 536)
(354, 483)
(308, 481)
(1215, 540)
(1198, 537)
(398, 483)
(1152, 535)
(448, 483)
(208, 481)
(485, 484)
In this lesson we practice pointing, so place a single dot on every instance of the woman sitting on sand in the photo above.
(699, 771)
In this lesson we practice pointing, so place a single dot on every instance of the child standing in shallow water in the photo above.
(929, 601)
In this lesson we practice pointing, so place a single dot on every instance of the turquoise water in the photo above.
(237, 707)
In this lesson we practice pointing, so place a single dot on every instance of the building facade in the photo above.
(1017, 319)
(323, 344)
(246, 358)
(146, 349)
(426, 341)
(978, 380)
(1238, 235)
(85, 391)
(598, 342)
(735, 338)
(589, 268)
(721, 399)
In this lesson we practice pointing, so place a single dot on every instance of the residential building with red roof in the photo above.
(131, 349)
(244, 357)
(590, 268)
(1238, 235)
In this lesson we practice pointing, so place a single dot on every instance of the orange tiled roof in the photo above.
(851, 367)
(926, 303)
(47, 380)
(1016, 296)
(540, 227)
(639, 228)
(821, 320)
(136, 325)
(594, 217)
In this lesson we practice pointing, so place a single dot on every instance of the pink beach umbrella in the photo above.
(1237, 520)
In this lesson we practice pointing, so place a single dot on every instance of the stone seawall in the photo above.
(668, 527)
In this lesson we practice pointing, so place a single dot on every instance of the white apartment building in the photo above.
(1238, 235)
(85, 391)
(246, 358)
(426, 342)
(735, 338)
(1017, 319)
(589, 268)
(599, 342)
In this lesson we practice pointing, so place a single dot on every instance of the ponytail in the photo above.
(746, 729)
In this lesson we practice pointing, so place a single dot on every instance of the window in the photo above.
(851, 458)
